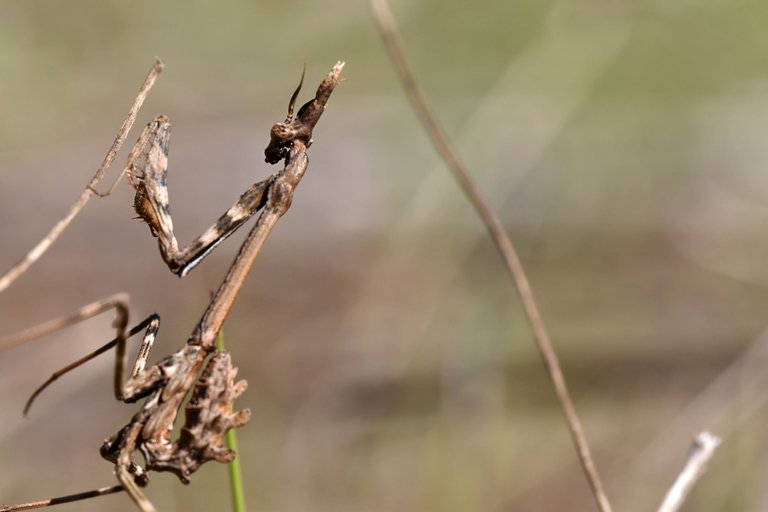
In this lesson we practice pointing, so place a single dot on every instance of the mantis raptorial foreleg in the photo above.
(148, 172)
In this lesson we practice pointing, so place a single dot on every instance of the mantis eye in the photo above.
(280, 132)
(281, 137)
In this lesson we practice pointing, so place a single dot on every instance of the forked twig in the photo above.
(394, 45)
(196, 369)
(27, 261)
(702, 449)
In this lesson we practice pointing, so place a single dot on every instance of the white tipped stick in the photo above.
(704, 446)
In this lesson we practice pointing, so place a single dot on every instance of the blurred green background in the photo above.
(390, 367)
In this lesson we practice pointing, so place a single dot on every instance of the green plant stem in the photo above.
(235, 475)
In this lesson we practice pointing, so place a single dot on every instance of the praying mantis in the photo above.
(196, 370)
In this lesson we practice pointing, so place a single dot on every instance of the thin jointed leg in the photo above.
(138, 381)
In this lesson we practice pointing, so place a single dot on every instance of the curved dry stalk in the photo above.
(32, 256)
(394, 45)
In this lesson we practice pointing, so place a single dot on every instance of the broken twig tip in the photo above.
(707, 440)
(702, 449)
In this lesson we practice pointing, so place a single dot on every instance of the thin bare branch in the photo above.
(27, 261)
(702, 449)
(394, 44)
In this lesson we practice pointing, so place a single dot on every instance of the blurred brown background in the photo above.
(390, 367)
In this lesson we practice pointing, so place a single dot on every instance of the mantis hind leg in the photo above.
(139, 382)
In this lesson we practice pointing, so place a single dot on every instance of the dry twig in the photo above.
(27, 261)
(702, 449)
(393, 42)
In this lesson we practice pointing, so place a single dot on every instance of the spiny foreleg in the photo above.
(148, 171)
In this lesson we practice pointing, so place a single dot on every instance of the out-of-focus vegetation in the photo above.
(622, 142)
